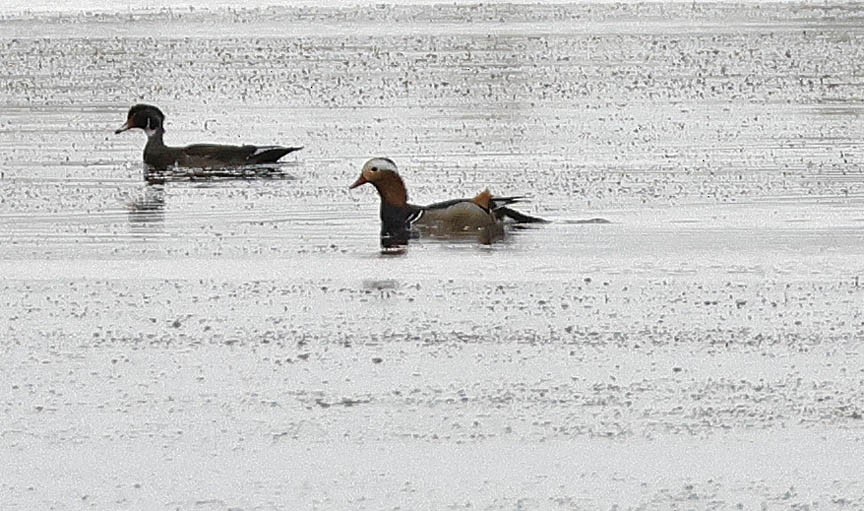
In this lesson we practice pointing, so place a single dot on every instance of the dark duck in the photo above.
(209, 156)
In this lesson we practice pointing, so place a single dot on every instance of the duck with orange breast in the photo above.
(211, 156)
(482, 216)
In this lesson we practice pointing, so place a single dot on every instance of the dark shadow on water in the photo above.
(481, 238)
(381, 285)
(394, 251)
(274, 172)
(587, 221)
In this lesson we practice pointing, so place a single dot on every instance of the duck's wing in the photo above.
(506, 201)
(498, 206)
(442, 205)
(215, 154)
(270, 154)
(494, 202)
(456, 215)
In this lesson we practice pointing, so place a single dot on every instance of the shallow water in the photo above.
(242, 344)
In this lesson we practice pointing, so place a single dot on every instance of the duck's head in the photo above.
(146, 117)
(383, 175)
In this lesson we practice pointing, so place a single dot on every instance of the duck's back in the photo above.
(214, 155)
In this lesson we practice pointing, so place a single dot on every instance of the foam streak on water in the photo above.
(240, 342)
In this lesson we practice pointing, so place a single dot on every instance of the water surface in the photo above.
(242, 344)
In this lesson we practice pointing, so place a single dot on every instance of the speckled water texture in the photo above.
(215, 344)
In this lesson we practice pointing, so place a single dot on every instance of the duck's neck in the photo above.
(395, 229)
(154, 138)
(392, 190)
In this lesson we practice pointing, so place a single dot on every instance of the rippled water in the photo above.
(240, 343)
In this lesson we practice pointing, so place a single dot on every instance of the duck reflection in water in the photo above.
(155, 176)
(147, 210)
(480, 219)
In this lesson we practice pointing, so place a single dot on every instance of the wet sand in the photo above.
(242, 344)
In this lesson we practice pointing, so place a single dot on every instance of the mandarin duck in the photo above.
(483, 214)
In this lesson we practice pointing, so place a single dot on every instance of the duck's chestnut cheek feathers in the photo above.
(371, 175)
(366, 176)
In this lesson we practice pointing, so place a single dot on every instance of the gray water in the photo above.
(242, 344)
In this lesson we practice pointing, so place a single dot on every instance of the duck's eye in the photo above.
(374, 169)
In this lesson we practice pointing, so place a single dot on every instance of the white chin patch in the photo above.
(150, 132)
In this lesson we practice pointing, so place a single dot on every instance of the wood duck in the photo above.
(484, 214)
(159, 156)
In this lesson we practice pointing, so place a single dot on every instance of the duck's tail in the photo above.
(520, 218)
(271, 154)
(499, 206)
